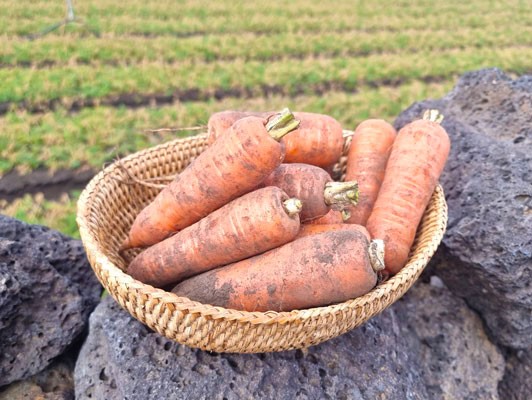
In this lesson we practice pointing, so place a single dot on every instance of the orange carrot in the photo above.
(312, 229)
(249, 225)
(366, 162)
(314, 187)
(231, 167)
(316, 270)
(416, 161)
(317, 141)
(220, 122)
(332, 217)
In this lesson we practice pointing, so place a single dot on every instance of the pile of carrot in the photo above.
(257, 223)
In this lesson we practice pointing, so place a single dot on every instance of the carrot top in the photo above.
(281, 124)
(337, 195)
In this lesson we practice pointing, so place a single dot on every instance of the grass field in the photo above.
(87, 92)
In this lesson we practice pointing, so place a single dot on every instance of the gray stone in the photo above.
(44, 304)
(428, 345)
(122, 359)
(55, 382)
(448, 342)
(66, 255)
(486, 255)
(516, 384)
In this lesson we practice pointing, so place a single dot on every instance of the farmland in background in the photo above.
(88, 92)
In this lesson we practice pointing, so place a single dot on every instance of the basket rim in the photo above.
(102, 265)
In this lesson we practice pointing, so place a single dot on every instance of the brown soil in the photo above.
(51, 184)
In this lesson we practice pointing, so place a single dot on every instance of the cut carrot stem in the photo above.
(340, 194)
(282, 124)
(292, 206)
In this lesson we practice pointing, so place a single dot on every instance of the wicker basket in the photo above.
(106, 210)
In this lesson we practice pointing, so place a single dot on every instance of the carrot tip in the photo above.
(126, 245)
(376, 254)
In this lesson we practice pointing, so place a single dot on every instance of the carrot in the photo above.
(317, 141)
(249, 225)
(312, 229)
(332, 217)
(416, 161)
(330, 170)
(231, 167)
(314, 187)
(316, 270)
(220, 122)
(366, 161)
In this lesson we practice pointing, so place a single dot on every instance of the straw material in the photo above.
(107, 208)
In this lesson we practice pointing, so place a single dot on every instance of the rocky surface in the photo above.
(55, 382)
(486, 256)
(47, 291)
(449, 345)
(121, 358)
(66, 255)
(407, 352)
(516, 384)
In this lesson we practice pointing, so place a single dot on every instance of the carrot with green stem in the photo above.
(366, 161)
(234, 165)
(416, 161)
(318, 140)
(251, 224)
(312, 271)
(221, 122)
(314, 187)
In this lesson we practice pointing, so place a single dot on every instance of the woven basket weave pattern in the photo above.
(107, 208)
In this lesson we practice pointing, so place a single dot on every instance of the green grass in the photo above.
(110, 49)
(96, 136)
(353, 60)
(156, 18)
(83, 82)
(35, 209)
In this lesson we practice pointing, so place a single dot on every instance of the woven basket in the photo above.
(107, 208)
